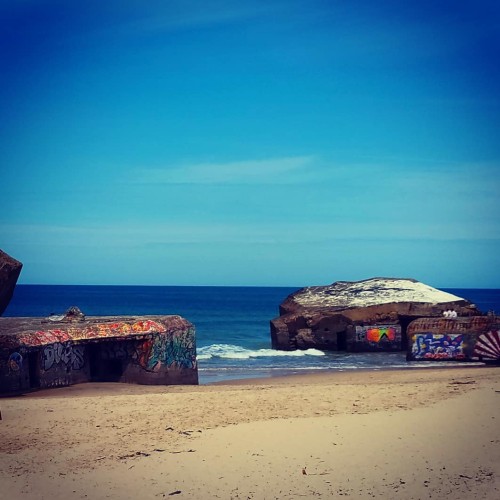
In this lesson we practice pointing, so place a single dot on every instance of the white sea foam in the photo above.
(228, 351)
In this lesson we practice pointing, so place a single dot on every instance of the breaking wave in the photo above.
(227, 351)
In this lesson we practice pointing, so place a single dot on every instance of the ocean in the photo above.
(232, 324)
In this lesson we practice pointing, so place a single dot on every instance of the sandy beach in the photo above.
(412, 434)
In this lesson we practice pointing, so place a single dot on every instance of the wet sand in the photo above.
(430, 433)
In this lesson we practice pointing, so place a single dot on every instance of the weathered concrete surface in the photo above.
(60, 351)
(474, 338)
(369, 315)
(9, 273)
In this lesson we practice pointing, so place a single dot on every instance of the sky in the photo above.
(259, 143)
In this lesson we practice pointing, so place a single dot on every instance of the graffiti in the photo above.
(157, 354)
(434, 346)
(44, 337)
(56, 382)
(15, 362)
(360, 334)
(99, 330)
(181, 352)
(122, 348)
(488, 346)
(142, 353)
(166, 350)
(119, 329)
(78, 359)
(173, 350)
(377, 334)
(148, 326)
(66, 354)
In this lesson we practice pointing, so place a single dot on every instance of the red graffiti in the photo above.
(44, 337)
(99, 330)
(143, 353)
(148, 326)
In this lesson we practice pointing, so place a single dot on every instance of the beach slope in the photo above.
(430, 433)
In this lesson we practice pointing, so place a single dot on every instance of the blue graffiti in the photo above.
(436, 346)
(15, 362)
(172, 350)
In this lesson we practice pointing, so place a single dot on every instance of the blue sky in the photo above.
(290, 143)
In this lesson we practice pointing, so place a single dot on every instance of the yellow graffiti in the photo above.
(100, 330)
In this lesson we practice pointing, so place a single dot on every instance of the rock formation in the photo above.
(369, 315)
(9, 273)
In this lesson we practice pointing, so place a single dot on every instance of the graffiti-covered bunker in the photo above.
(54, 352)
(360, 316)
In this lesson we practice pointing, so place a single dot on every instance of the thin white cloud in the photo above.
(190, 14)
(279, 170)
(415, 175)
(286, 233)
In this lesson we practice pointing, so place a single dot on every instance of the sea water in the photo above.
(232, 324)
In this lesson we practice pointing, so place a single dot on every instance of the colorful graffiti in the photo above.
(170, 350)
(135, 349)
(15, 362)
(99, 330)
(63, 354)
(120, 328)
(377, 334)
(488, 346)
(174, 350)
(44, 337)
(148, 326)
(437, 346)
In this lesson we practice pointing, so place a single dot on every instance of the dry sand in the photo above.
(431, 433)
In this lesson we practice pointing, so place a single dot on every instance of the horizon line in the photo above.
(235, 286)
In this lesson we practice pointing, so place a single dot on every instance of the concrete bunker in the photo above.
(361, 316)
(40, 353)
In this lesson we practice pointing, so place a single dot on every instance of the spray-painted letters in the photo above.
(66, 354)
